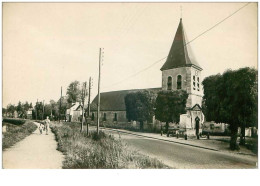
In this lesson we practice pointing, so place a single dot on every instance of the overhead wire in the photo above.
(119, 82)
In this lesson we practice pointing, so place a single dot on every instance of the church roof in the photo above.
(180, 54)
(115, 100)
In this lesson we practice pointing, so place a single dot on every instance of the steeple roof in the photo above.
(180, 54)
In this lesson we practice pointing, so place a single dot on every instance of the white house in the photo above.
(74, 113)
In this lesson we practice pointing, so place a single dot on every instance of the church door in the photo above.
(197, 120)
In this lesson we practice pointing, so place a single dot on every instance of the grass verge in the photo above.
(15, 133)
(97, 151)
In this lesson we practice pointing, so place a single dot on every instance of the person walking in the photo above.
(47, 124)
(41, 128)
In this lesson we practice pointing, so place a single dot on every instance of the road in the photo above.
(184, 156)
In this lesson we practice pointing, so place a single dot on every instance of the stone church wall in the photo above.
(110, 116)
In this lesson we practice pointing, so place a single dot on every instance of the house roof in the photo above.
(115, 100)
(75, 106)
(180, 54)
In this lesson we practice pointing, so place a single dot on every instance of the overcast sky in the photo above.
(49, 45)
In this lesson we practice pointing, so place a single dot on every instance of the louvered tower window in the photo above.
(169, 83)
(179, 81)
(194, 83)
(198, 83)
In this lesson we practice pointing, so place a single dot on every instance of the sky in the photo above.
(49, 45)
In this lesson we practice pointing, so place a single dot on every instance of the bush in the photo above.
(14, 121)
(16, 133)
(97, 151)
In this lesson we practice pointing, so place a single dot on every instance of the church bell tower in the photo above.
(181, 70)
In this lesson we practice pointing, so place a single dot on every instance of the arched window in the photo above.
(179, 82)
(115, 117)
(169, 83)
(105, 117)
(93, 116)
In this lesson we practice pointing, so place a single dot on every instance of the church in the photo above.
(180, 71)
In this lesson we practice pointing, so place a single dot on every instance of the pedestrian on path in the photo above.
(41, 128)
(47, 124)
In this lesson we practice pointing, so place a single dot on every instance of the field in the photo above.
(16, 132)
(101, 151)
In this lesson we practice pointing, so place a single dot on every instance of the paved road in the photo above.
(34, 152)
(183, 156)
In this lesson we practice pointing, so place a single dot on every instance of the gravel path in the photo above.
(37, 151)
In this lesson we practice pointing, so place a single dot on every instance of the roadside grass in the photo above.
(101, 151)
(15, 133)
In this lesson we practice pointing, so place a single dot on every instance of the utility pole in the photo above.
(36, 108)
(98, 105)
(88, 117)
(89, 89)
(43, 110)
(83, 103)
(60, 103)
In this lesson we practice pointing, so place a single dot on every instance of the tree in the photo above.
(64, 106)
(54, 109)
(10, 109)
(170, 105)
(19, 109)
(83, 96)
(211, 101)
(25, 107)
(39, 110)
(139, 106)
(232, 101)
(73, 92)
(4, 111)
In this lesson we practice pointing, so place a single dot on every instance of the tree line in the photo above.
(166, 106)
(54, 109)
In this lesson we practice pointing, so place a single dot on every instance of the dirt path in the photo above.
(37, 151)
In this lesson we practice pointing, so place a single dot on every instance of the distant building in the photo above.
(74, 113)
(181, 71)
(29, 113)
(15, 115)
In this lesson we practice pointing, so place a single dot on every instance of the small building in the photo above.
(74, 113)
(29, 113)
(15, 115)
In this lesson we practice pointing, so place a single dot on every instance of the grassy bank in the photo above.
(15, 133)
(94, 152)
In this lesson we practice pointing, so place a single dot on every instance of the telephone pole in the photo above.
(60, 102)
(88, 117)
(43, 110)
(36, 108)
(98, 106)
(83, 103)
(89, 89)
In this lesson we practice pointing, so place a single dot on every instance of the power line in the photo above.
(218, 23)
(183, 46)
